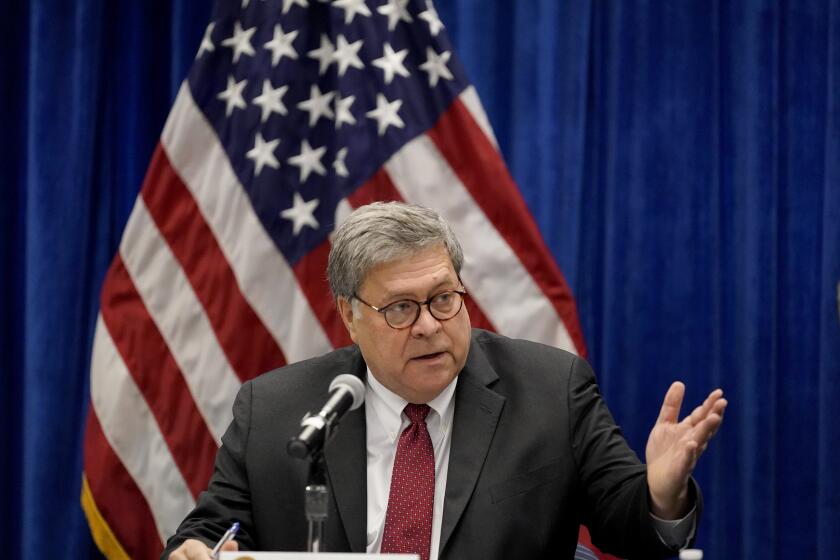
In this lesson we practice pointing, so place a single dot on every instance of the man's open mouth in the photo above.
(429, 356)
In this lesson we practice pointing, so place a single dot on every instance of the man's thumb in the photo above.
(231, 546)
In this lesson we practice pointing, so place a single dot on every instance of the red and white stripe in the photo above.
(199, 299)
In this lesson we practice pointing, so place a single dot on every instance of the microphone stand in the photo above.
(311, 443)
(317, 498)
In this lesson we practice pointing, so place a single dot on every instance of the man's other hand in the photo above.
(192, 549)
(674, 447)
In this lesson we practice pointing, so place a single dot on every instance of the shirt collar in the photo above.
(391, 414)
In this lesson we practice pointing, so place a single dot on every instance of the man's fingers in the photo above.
(715, 418)
(708, 405)
(191, 549)
(702, 411)
(719, 409)
(703, 432)
(696, 416)
(670, 411)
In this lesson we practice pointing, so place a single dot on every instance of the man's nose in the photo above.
(426, 324)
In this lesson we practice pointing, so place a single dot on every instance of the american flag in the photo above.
(294, 113)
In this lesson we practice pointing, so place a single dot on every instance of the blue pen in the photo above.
(229, 534)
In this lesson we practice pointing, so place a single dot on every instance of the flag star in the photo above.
(435, 66)
(281, 44)
(385, 113)
(271, 100)
(342, 110)
(301, 214)
(431, 17)
(240, 41)
(324, 54)
(347, 54)
(232, 95)
(287, 4)
(262, 153)
(351, 8)
(309, 160)
(395, 10)
(317, 105)
(207, 41)
(339, 165)
(392, 63)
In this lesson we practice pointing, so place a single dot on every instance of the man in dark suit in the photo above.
(470, 444)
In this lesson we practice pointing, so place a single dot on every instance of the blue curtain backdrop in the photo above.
(682, 160)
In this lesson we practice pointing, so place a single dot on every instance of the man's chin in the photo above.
(427, 378)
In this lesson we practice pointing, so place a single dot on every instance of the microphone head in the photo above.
(353, 384)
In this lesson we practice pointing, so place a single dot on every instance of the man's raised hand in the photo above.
(674, 447)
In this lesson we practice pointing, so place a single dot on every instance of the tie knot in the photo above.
(416, 412)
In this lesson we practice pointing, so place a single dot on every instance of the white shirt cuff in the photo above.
(676, 533)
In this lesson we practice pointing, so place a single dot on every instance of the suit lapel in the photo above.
(477, 411)
(345, 457)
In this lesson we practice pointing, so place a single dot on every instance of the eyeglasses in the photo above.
(404, 313)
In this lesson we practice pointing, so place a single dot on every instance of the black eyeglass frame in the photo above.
(462, 292)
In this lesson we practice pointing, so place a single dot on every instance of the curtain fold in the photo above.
(682, 161)
(828, 380)
(86, 93)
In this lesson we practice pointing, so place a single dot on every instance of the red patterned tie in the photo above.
(408, 522)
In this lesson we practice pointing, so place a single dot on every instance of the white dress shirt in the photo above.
(384, 424)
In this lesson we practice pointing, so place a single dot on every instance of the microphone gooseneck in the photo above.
(347, 392)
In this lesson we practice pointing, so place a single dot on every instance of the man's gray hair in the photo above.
(382, 232)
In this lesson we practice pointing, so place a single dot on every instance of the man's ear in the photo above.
(345, 309)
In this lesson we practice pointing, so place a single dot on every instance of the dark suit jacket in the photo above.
(535, 453)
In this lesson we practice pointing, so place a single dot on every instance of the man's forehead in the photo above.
(421, 270)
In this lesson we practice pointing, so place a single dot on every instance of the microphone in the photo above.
(347, 392)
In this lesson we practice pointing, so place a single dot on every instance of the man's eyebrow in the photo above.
(436, 289)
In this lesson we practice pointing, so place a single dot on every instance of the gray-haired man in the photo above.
(512, 450)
